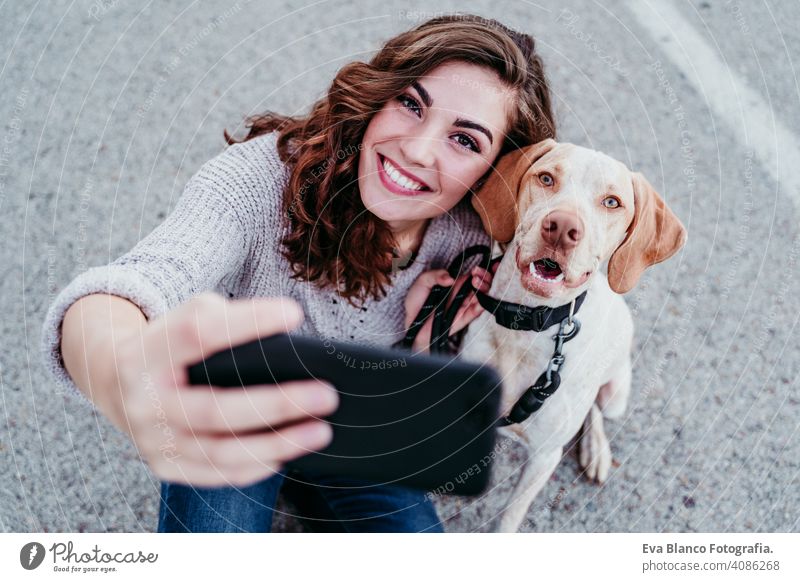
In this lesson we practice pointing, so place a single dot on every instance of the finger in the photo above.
(209, 323)
(455, 284)
(461, 321)
(477, 272)
(180, 470)
(481, 284)
(466, 315)
(232, 410)
(482, 279)
(266, 449)
(445, 279)
(473, 309)
(424, 335)
(480, 271)
(435, 277)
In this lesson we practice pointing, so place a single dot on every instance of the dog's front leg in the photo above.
(613, 395)
(595, 450)
(535, 473)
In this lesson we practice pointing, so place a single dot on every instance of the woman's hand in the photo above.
(469, 310)
(208, 436)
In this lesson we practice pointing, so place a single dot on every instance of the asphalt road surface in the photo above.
(108, 107)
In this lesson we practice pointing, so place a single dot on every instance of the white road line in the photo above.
(743, 110)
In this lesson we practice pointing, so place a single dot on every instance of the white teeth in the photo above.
(399, 179)
(555, 279)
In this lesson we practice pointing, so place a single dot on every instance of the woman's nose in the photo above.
(420, 148)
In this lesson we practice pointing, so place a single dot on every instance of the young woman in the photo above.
(335, 225)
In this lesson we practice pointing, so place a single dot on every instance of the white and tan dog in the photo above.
(561, 211)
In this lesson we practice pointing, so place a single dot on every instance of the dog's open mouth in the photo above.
(547, 270)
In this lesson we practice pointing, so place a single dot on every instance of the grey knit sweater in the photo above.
(224, 234)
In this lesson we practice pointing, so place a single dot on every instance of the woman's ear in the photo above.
(496, 200)
(655, 234)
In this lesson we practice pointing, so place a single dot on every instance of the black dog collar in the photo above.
(525, 318)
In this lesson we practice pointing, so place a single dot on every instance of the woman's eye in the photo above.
(411, 104)
(546, 179)
(406, 100)
(470, 144)
(610, 202)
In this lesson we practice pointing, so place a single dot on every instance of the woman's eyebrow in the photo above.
(423, 94)
(460, 122)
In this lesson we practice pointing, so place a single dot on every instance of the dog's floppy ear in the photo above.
(655, 234)
(496, 201)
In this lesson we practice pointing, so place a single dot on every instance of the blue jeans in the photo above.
(325, 503)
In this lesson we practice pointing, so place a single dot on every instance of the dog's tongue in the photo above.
(547, 268)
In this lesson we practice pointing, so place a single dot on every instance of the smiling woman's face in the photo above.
(425, 148)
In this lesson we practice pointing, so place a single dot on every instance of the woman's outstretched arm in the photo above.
(92, 326)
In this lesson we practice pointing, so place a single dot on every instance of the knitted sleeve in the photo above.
(203, 239)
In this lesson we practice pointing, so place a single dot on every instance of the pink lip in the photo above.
(542, 288)
(396, 188)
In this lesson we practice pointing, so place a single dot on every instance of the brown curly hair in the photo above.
(322, 199)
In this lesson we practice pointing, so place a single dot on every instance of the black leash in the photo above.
(510, 315)
(534, 396)
(436, 301)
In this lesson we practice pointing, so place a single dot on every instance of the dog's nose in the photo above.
(562, 229)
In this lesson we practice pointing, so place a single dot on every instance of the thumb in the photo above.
(435, 277)
(443, 277)
(209, 323)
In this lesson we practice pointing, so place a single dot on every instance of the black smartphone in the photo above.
(426, 421)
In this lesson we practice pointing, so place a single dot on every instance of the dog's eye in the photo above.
(611, 202)
(546, 179)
